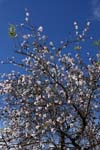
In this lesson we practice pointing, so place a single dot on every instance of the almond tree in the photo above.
(54, 104)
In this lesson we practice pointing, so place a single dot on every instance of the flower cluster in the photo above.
(55, 103)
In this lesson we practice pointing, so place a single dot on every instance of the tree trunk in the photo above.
(62, 141)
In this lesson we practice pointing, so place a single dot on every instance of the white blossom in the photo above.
(26, 19)
(51, 43)
(37, 127)
(40, 29)
(27, 14)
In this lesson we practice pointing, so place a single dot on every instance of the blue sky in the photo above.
(56, 16)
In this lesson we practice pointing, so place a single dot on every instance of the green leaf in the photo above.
(97, 43)
(77, 48)
(98, 62)
(12, 31)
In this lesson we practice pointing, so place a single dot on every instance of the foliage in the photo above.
(97, 43)
(55, 104)
(12, 31)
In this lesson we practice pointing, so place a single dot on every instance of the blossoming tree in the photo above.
(54, 104)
